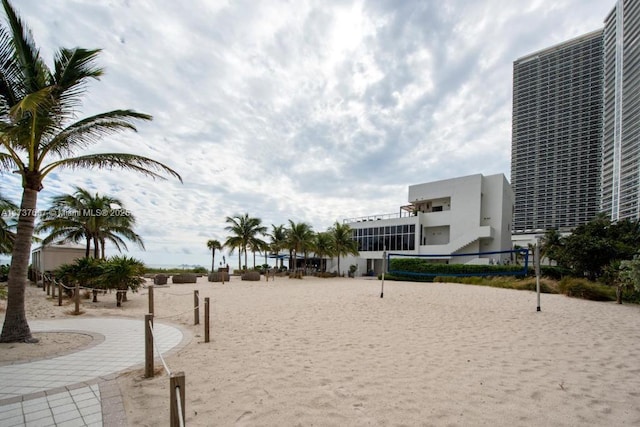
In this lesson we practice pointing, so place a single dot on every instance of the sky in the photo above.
(310, 111)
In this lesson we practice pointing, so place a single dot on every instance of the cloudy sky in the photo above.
(312, 111)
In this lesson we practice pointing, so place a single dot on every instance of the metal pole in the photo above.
(536, 260)
(196, 308)
(384, 258)
(206, 319)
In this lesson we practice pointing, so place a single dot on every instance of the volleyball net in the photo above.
(514, 262)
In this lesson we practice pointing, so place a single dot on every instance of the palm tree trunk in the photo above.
(96, 248)
(15, 327)
(87, 250)
(102, 244)
(239, 259)
(213, 259)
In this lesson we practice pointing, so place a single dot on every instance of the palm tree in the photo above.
(299, 239)
(343, 243)
(323, 246)
(38, 135)
(245, 231)
(278, 237)
(213, 245)
(122, 273)
(7, 236)
(83, 216)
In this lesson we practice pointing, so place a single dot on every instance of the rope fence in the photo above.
(176, 380)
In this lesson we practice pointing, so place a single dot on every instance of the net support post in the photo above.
(536, 260)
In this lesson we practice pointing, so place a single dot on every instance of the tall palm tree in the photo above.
(92, 218)
(299, 239)
(278, 240)
(38, 135)
(213, 245)
(343, 243)
(7, 236)
(245, 231)
(323, 246)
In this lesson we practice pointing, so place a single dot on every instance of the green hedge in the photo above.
(421, 266)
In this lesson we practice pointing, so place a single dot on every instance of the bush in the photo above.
(521, 284)
(218, 277)
(4, 273)
(551, 271)
(3, 292)
(583, 288)
(252, 276)
(184, 278)
(160, 279)
(423, 266)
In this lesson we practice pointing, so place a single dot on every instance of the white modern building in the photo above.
(465, 215)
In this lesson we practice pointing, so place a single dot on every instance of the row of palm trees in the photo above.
(92, 218)
(248, 234)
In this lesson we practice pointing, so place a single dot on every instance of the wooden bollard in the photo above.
(59, 294)
(148, 346)
(76, 297)
(196, 308)
(53, 287)
(48, 282)
(176, 390)
(206, 319)
(151, 299)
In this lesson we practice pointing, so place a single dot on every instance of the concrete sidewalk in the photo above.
(79, 389)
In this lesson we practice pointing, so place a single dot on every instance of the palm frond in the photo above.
(7, 162)
(35, 74)
(73, 67)
(91, 130)
(130, 162)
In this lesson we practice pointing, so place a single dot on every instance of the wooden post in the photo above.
(151, 299)
(76, 297)
(206, 319)
(196, 308)
(59, 294)
(53, 286)
(176, 391)
(148, 346)
(48, 286)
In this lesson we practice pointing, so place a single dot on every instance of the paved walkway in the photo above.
(78, 389)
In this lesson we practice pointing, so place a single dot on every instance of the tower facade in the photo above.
(621, 136)
(556, 150)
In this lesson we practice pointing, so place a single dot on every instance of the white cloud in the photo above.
(312, 111)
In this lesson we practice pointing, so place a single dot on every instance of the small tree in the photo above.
(122, 273)
(628, 277)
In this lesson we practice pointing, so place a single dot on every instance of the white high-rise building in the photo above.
(621, 137)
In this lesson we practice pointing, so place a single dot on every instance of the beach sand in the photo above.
(331, 352)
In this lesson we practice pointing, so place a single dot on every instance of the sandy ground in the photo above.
(331, 352)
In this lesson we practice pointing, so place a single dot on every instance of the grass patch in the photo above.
(547, 286)
(583, 288)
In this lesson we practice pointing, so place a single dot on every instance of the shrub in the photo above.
(4, 273)
(583, 288)
(423, 266)
(184, 278)
(521, 284)
(551, 271)
(160, 279)
(3, 291)
(218, 277)
(252, 276)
